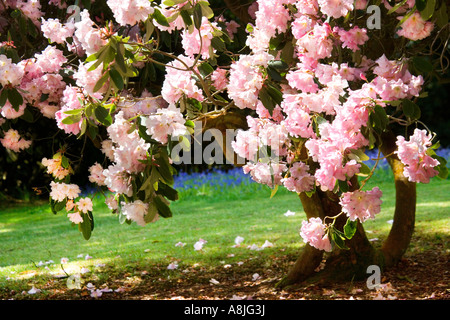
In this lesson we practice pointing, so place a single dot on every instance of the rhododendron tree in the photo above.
(309, 83)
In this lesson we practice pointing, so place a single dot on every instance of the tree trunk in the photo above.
(346, 265)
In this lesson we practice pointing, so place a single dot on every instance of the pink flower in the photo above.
(13, 141)
(419, 166)
(10, 73)
(55, 31)
(199, 41)
(302, 79)
(135, 211)
(96, 174)
(60, 191)
(75, 217)
(336, 8)
(9, 112)
(179, 82)
(300, 180)
(415, 28)
(362, 205)
(219, 79)
(129, 12)
(314, 233)
(166, 122)
(353, 38)
(85, 205)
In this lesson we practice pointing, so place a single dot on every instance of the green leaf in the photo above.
(397, 6)
(218, 44)
(101, 82)
(120, 61)
(274, 74)
(410, 109)
(206, 10)
(186, 18)
(3, 97)
(116, 78)
(422, 64)
(189, 123)
(102, 115)
(205, 69)
(168, 192)
(85, 227)
(343, 185)
(428, 11)
(278, 65)
(266, 100)
(27, 116)
(74, 118)
(421, 4)
(274, 93)
(337, 239)
(350, 228)
(364, 170)
(442, 15)
(164, 168)
(198, 15)
(163, 209)
(160, 18)
(65, 162)
(73, 111)
(195, 103)
(59, 205)
(170, 3)
(379, 119)
(15, 98)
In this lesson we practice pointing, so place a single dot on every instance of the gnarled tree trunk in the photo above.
(346, 265)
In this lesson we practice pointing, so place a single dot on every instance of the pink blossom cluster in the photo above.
(246, 79)
(61, 191)
(56, 31)
(270, 174)
(362, 205)
(129, 12)
(31, 9)
(165, 123)
(145, 105)
(394, 81)
(128, 146)
(10, 73)
(415, 27)
(352, 38)
(170, 12)
(87, 38)
(96, 174)
(179, 81)
(272, 17)
(315, 233)
(41, 78)
(419, 166)
(55, 168)
(336, 8)
(136, 211)
(262, 133)
(300, 180)
(82, 206)
(13, 141)
(198, 41)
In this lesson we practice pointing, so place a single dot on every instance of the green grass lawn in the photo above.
(32, 234)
